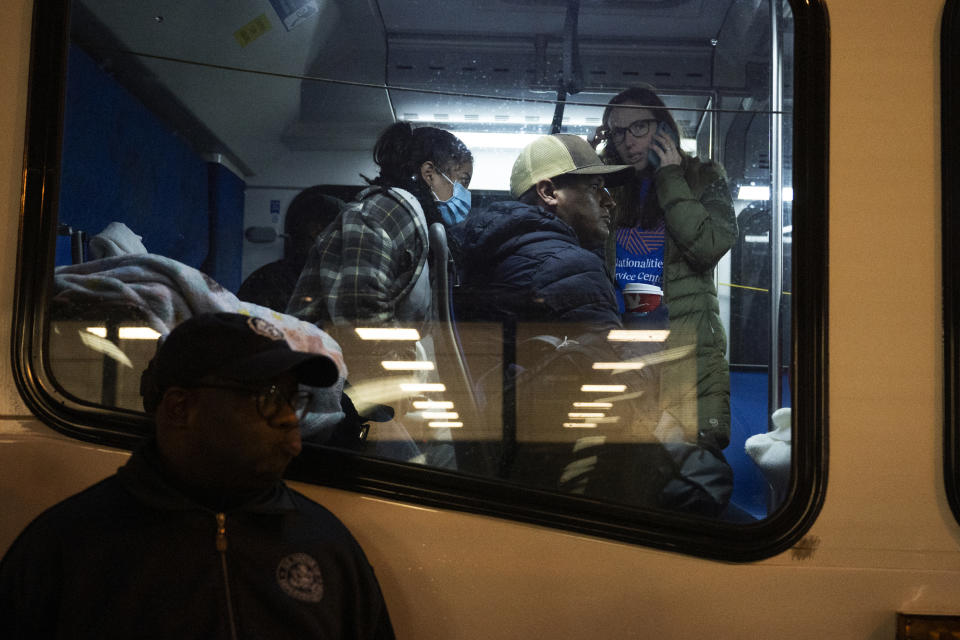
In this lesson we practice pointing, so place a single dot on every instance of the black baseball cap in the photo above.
(228, 346)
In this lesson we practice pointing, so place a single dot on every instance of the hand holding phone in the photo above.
(653, 158)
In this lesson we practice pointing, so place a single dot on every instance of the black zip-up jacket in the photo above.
(132, 557)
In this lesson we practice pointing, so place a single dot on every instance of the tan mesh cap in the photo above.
(559, 154)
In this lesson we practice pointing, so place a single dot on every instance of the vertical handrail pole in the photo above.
(776, 206)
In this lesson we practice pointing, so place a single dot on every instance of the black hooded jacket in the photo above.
(132, 557)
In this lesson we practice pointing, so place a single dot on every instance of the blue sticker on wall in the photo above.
(294, 12)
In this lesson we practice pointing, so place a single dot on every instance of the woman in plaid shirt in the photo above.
(370, 266)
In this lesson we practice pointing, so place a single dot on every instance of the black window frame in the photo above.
(436, 488)
(950, 236)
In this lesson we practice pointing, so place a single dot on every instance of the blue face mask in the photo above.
(457, 207)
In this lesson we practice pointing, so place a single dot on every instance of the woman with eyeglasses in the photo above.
(673, 222)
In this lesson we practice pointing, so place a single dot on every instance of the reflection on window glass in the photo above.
(602, 313)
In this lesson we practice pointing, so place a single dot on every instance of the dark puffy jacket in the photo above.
(522, 262)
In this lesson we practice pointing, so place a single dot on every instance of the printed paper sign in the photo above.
(639, 258)
(294, 12)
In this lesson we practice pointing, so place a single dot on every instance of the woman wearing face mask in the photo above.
(382, 236)
(369, 267)
(672, 224)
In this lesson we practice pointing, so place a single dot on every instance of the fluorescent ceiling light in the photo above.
(593, 405)
(369, 333)
(494, 140)
(440, 415)
(579, 425)
(613, 388)
(441, 424)
(585, 414)
(493, 156)
(494, 153)
(517, 140)
(410, 365)
(760, 192)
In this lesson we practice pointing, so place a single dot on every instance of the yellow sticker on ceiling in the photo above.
(252, 30)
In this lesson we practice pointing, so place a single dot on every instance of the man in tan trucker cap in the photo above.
(539, 258)
(536, 265)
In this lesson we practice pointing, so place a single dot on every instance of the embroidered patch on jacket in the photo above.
(299, 576)
(263, 328)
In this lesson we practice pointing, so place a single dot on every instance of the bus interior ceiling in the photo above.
(277, 107)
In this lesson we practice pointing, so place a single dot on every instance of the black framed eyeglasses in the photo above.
(637, 129)
(269, 399)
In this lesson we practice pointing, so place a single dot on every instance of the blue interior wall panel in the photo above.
(225, 261)
(749, 416)
(120, 162)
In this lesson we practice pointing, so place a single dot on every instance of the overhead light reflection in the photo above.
(441, 415)
(664, 355)
(423, 386)
(367, 393)
(106, 347)
(138, 333)
(432, 404)
(618, 366)
(611, 388)
(441, 424)
(593, 405)
(579, 425)
(626, 396)
(585, 414)
(127, 333)
(409, 365)
(638, 335)
(382, 333)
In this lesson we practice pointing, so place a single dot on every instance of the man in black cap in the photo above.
(197, 536)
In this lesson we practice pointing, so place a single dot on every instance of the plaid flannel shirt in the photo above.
(364, 265)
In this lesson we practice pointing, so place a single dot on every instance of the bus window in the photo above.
(656, 377)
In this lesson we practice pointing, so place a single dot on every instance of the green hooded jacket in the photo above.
(701, 227)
